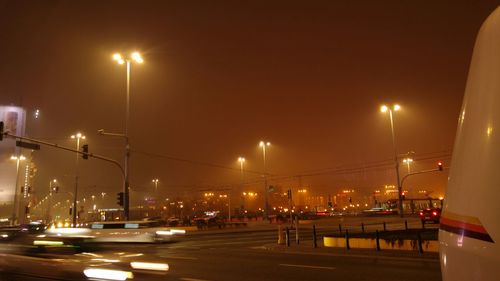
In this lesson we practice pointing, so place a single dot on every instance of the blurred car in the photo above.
(133, 232)
(8, 233)
(430, 215)
(69, 257)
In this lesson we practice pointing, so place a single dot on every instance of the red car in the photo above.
(430, 214)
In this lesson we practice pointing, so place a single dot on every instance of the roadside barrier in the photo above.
(394, 235)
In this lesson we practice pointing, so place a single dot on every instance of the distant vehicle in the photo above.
(173, 221)
(430, 215)
(133, 232)
(378, 212)
(308, 216)
(209, 222)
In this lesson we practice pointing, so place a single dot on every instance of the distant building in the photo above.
(14, 119)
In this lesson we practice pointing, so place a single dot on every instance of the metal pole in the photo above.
(50, 202)
(229, 207)
(266, 204)
(126, 206)
(297, 231)
(400, 189)
(14, 208)
(315, 244)
(76, 183)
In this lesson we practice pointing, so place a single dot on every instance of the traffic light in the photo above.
(55, 189)
(1, 130)
(403, 196)
(120, 198)
(26, 209)
(85, 149)
(440, 166)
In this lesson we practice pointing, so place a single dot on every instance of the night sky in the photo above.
(219, 76)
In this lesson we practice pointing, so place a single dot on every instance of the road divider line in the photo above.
(179, 257)
(193, 279)
(307, 266)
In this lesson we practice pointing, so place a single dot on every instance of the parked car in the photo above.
(430, 215)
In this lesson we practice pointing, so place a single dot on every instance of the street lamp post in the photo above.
(78, 137)
(391, 111)
(242, 160)
(14, 207)
(155, 181)
(263, 145)
(51, 189)
(228, 205)
(408, 161)
(136, 57)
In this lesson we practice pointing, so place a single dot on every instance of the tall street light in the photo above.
(77, 137)
(241, 160)
(16, 189)
(134, 57)
(391, 111)
(263, 145)
(408, 161)
(155, 181)
(51, 190)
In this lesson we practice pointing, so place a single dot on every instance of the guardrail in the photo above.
(395, 235)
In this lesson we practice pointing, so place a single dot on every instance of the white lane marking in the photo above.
(307, 266)
(192, 279)
(179, 257)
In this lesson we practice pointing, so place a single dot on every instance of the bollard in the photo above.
(406, 225)
(377, 237)
(340, 228)
(315, 244)
(385, 227)
(287, 236)
(423, 224)
(297, 231)
(363, 227)
(281, 241)
(419, 240)
(347, 240)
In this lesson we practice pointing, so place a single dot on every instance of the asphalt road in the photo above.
(254, 255)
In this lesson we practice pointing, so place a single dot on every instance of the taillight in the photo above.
(434, 213)
(421, 213)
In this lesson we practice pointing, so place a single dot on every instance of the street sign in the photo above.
(28, 145)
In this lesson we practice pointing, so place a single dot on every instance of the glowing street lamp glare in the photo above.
(117, 57)
(262, 144)
(384, 108)
(397, 107)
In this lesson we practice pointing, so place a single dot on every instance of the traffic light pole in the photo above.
(84, 154)
(439, 169)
